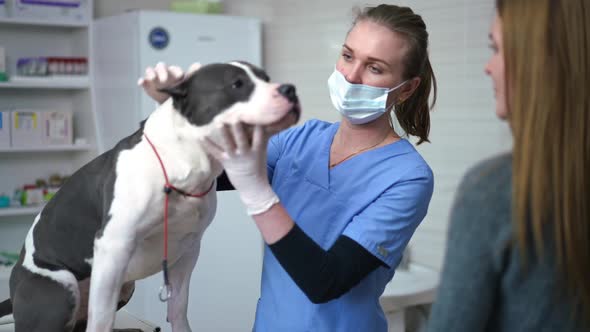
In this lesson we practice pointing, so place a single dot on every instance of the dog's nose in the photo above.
(288, 91)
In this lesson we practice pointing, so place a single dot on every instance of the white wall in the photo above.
(301, 43)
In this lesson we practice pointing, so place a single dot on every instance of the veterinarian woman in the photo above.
(518, 253)
(344, 198)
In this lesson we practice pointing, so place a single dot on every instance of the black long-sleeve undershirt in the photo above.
(321, 275)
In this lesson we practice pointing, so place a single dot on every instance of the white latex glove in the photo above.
(244, 163)
(162, 76)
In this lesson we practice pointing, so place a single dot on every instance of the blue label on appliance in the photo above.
(159, 38)
(1, 115)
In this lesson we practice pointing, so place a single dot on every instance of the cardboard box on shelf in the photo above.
(3, 8)
(25, 128)
(73, 11)
(57, 128)
(3, 71)
(197, 6)
(4, 129)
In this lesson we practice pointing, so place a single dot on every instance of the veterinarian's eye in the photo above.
(237, 84)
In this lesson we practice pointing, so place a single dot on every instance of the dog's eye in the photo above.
(237, 84)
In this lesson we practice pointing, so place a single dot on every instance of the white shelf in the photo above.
(20, 211)
(41, 22)
(52, 82)
(52, 148)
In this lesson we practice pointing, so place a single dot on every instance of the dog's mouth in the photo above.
(290, 118)
(294, 112)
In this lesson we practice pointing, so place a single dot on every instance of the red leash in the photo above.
(168, 188)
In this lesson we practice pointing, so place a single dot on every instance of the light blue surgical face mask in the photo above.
(359, 103)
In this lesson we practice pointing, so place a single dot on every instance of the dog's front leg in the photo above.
(180, 275)
(112, 253)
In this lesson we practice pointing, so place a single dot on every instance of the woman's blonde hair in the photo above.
(547, 59)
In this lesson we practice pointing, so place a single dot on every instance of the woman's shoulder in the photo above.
(481, 212)
(484, 197)
(488, 174)
(403, 157)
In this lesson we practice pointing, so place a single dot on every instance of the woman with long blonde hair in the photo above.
(518, 253)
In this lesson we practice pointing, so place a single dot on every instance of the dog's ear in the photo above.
(177, 91)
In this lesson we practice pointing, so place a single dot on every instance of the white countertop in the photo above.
(414, 286)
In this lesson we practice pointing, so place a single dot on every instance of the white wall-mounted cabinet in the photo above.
(44, 37)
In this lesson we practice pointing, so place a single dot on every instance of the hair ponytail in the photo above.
(413, 114)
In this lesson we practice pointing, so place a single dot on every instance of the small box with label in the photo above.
(57, 128)
(25, 128)
(4, 129)
(3, 72)
(32, 195)
(3, 8)
(75, 11)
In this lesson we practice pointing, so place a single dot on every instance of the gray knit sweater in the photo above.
(484, 286)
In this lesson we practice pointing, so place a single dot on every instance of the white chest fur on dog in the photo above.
(106, 223)
(139, 187)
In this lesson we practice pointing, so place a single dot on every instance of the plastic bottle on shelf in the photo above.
(4, 200)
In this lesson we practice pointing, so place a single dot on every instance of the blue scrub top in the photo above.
(376, 198)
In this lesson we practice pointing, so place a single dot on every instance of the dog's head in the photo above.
(235, 91)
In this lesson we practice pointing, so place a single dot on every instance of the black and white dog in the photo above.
(105, 227)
